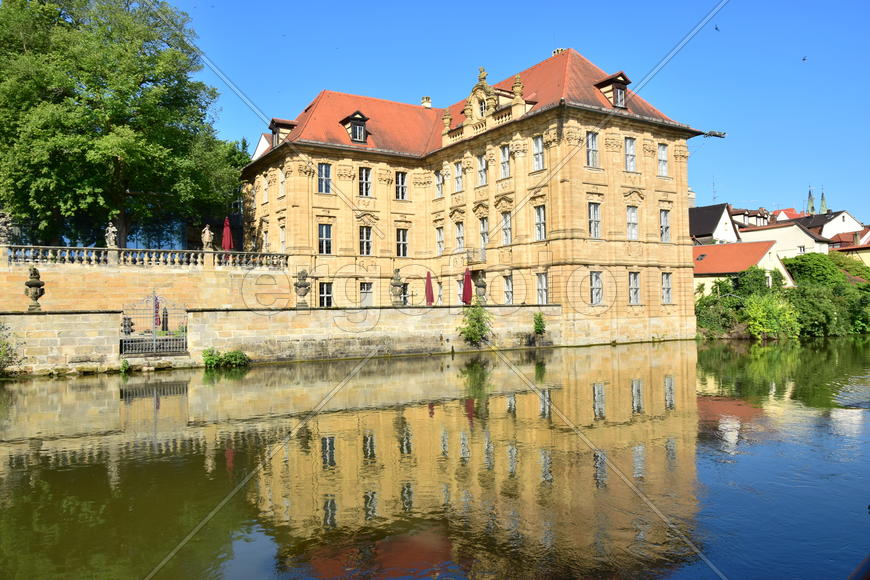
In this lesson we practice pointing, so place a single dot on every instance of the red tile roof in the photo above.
(791, 213)
(728, 258)
(416, 130)
(786, 224)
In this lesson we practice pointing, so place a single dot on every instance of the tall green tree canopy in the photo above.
(100, 119)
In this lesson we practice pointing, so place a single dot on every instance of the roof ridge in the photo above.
(381, 100)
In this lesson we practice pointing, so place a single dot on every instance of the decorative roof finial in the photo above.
(482, 76)
(518, 86)
(811, 203)
(823, 205)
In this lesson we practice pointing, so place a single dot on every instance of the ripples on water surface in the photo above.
(447, 467)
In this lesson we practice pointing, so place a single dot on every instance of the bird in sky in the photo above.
(716, 27)
(804, 59)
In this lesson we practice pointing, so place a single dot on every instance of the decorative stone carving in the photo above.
(519, 147)
(364, 202)
(517, 88)
(481, 210)
(366, 218)
(34, 290)
(302, 287)
(681, 153)
(385, 176)
(573, 135)
(480, 286)
(633, 196)
(5, 229)
(666, 204)
(504, 203)
(438, 220)
(306, 168)
(396, 288)
(421, 179)
(111, 236)
(288, 168)
(491, 155)
(613, 143)
(207, 238)
(447, 120)
(457, 215)
(551, 137)
(344, 172)
(649, 148)
(468, 163)
(272, 178)
(481, 193)
(504, 185)
(457, 199)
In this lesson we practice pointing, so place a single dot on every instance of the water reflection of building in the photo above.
(451, 440)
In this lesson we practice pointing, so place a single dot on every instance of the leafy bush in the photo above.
(770, 316)
(814, 269)
(753, 280)
(125, 366)
(539, 323)
(717, 314)
(9, 355)
(214, 359)
(850, 265)
(476, 323)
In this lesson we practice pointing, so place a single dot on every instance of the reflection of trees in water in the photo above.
(816, 369)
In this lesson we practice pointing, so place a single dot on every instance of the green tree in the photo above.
(814, 269)
(770, 316)
(476, 323)
(100, 119)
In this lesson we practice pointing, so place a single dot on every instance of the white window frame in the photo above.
(484, 233)
(594, 210)
(366, 294)
(667, 288)
(599, 408)
(482, 167)
(592, 149)
(357, 132)
(596, 288)
(439, 184)
(630, 154)
(324, 239)
(540, 223)
(457, 177)
(439, 241)
(505, 161)
(365, 240)
(636, 396)
(460, 235)
(631, 219)
(282, 237)
(619, 96)
(281, 179)
(402, 242)
(543, 289)
(509, 289)
(507, 236)
(537, 153)
(634, 288)
(663, 160)
(665, 225)
(365, 181)
(325, 294)
(401, 185)
(324, 178)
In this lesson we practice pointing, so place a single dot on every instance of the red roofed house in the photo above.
(555, 185)
(719, 261)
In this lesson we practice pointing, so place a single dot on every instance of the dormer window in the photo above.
(614, 89)
(619, 96)
(355, 125)
(481, 108)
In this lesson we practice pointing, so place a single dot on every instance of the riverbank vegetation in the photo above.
(831, 298)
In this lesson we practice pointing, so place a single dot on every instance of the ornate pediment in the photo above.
(457, 215)
(438, 219)
(613, 143)
(366, 218)
(481, 210)
(504, 203)
(633, 196)
(649, 148)
(421, 179)
(385, 176)
(305, 168)
(344, 172)
(482, 100)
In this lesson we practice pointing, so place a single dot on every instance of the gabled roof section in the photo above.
(619, 77)
(355, 116)
(817, 220)
(704, 219)
(728, 258)
(786, 224)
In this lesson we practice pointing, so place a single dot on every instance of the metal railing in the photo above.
(153, 326)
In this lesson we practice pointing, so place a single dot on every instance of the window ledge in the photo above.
(537, 171)
(631, 172)
(665, 177)
(594, 168)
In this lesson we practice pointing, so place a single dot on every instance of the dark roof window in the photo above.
(355, 125)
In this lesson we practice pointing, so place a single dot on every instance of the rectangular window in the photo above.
(670, 402)
(406, 294)
(509, 289)
(402, 243)
(459, 286)
(506, 234)
(598, 400)
(665, 224)
(324, 238)
(636, 396)
(439, 293)
(366, 294)
(484, 234)
(592, 149)
(401, 185)
(482, 166)
(324, 178)
(439, 241)
(505, 166)
(281, 183)
(358, 132)
(327, 451)
(802, 249)
(325, 294)
(543, 297)
(630, 159)
(460, 236)
(365, 240)
(594, 220)
(663, 160)
(631, 222)
(596, 288)
(439, 184)
(282, 238)
(457, 176)
(537, 153)
(365, 181)
(634, 287)
(369, 449)
(540, 223)
(619, 96)
(666, 288)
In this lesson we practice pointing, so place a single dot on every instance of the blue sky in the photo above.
(791, 123)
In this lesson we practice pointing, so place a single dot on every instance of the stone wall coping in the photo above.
(57, 312)
(357, 308)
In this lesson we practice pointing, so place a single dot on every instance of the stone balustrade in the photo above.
(143, 258)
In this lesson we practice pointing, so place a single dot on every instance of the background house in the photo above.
(790, 239)
(719, 261)
(712, 224)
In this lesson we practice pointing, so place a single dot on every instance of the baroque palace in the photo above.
(557, 185)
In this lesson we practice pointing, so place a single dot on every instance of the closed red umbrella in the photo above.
(430, 293)
(227, 238)
(466, 287)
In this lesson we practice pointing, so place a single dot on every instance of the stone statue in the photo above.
(396, 287)
(302, 286)
(480, 287)
(111, 236)
(34, 290)
(5, 229)
(481, 76)
(207, 238)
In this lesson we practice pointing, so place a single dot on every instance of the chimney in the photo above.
(426, 102)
